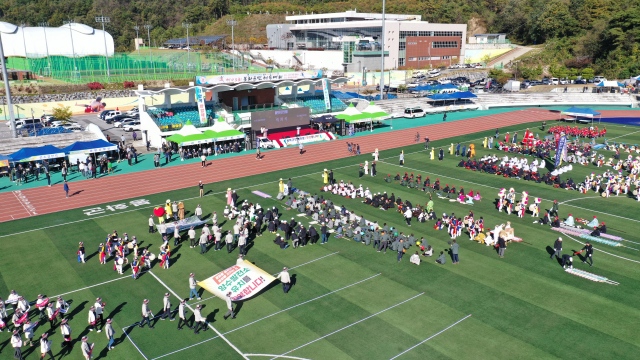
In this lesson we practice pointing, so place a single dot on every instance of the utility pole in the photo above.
(137, 28)
(233, 23)
(44, 26)
(73, 51)
(187, 26)
(7, 89)
(149, 27)
(382, 55)
(103, 20)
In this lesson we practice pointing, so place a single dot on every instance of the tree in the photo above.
(587, 73)
(62, 113)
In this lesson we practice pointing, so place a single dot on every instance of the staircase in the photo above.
(551, 99)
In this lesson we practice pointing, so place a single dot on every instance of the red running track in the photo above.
(43, 200)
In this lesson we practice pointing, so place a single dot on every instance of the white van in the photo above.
(554, 81)
(599, 79)
(410, 113)
(265, 143)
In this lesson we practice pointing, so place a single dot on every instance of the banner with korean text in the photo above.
(244, 280)
(202, 109)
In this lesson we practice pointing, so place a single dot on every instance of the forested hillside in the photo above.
(602, 34)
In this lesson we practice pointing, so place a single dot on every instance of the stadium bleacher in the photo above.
(316, 103)
(176, 117)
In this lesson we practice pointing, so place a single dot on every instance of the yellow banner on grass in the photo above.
(243, 280)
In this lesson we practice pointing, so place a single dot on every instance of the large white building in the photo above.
(67, 40)
(408, 41)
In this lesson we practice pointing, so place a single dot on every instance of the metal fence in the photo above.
(157, 65)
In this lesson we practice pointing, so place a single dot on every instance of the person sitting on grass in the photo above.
(415, 258)
(441, 259)
(428, 251)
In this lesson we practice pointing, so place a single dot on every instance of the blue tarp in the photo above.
(577, 111)
(434, 87)
(37, 153)
(90, 146)
(453, 96)
(50, 131)
(4, 157)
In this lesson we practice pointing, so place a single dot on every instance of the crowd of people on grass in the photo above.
(585, 132)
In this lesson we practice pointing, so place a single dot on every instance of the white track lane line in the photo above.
(282, 356)
(210, 326)
(268, 316)
(432, 336)
(348, 326)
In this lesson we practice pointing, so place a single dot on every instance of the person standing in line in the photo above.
(92, 318)
(454, 252)
(110, 334)
(285, 279)
(204, 239)
(27, 328)
(146, 313)
(99, 306)
(151, 224)
(229, 306)
(45, 347)
(193, 293)
(502, 245)
(199, 320)
(242, 242)
(87, 348)
(201, 187)
(65, 330)
(557, 248)
(66, 188)
(16, 342)
(192, 237)
(229, 241)
(182, 318)
(166, 307)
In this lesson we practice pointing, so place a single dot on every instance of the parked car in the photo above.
(599, 79)
(133, 111)
(22, 122)
(265, 143)
(554, 81)
(59, 123)
(415, 112)
(121, 121)
(563, 82)
(30, 126)
(73, 127)
(580, 81)
(131, 126)
(112, 114)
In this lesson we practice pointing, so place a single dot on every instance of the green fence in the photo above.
(159, 65)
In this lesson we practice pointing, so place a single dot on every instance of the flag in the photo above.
(243, 280)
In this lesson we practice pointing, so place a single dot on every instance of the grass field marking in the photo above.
(89, 287)
(309, 262)
(623, 135)
(210, 326)
(282, 356)
(608, 253)
(580, 198)
(134, 344)
(348, 326)
(491, 187)
(268, 316)
(432, 336)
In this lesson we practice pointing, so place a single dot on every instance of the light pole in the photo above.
(44, 26)
(7, 89)
(137, 28)
(103, 20)
(233, 23)
(382, 55)
(73, 51)
(149, 27)
(187, 26)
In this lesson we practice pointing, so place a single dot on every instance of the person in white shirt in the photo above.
(45, 346)
(198, 211)
(166, 307)
(229, 306)
(16, 342)
(242, 242)
(40, 305)
(415, 258)
(28, 332)
(285, 279)
(87, 348)
(151, 224)
(99, 306)
(229, 241)
(146, 313)
(214, 218)
(199, 320)
(92, 318)
(65, 330)
(192, 237)
(204, 238)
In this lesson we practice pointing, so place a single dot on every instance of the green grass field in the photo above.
(349, 301)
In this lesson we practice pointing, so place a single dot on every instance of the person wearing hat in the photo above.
(110, 332)
(554, 208)
(23, 305)
(81, 252)
(192, 237)
(146, 313)
(588, 256)
(229, 306)
(16, 342)
(45, 346)
(99, 307)
(50, 314)
(92, 318)
(27, 328)
(199, 320)
(151, 224)
(285, 279)
(182, 317)
(166, 308)
(204, 239)
(557, 248)
(86, 348)
(193, 293)
(62, 306)
(65, 330)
